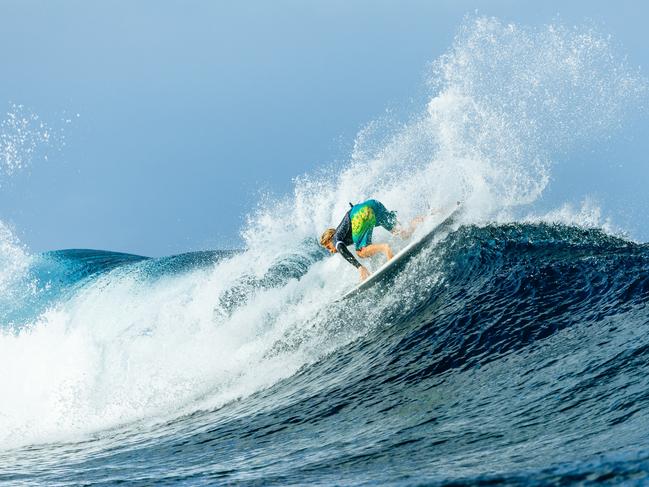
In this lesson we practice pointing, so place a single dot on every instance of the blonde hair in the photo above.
(327, 236)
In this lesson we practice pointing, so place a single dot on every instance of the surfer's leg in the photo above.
(407, 232)
(373, 249)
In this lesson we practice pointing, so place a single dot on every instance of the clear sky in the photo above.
(189, 109)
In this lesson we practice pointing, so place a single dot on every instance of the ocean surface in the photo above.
(513, 348)
(515, 353)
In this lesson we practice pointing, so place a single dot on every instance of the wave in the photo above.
(513, 348)
(495, 337)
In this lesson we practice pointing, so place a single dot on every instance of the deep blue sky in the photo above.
(189, 109)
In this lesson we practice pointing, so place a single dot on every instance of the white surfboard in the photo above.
(404, 253)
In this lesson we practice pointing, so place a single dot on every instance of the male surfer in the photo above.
(356, 228)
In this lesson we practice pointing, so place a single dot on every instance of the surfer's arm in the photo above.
(342, 249)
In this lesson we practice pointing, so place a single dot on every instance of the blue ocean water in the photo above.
(512, 349)
(523, 361)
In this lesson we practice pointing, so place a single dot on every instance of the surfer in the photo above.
(356, 228)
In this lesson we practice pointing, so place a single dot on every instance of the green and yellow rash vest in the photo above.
(357, 225)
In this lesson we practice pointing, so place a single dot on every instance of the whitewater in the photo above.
(514, 349)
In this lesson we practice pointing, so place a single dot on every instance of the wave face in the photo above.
(517, 352)
(511, 349)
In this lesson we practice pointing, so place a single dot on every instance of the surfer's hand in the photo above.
(363, 272)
